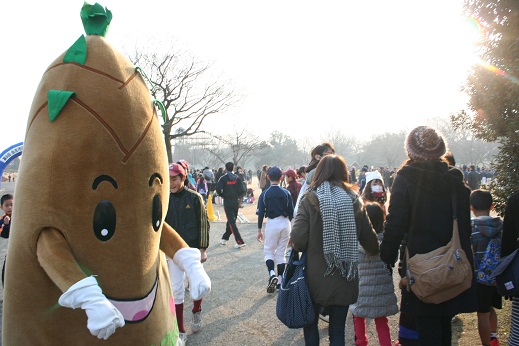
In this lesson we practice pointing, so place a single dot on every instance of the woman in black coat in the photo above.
(509, 243)
(420, 209)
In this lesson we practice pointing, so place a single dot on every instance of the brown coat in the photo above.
(307, 234)
(263, 179)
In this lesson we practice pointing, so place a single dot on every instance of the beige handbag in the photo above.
(441, 274)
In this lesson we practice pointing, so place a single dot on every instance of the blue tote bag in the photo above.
(507, 275)
(294, 305)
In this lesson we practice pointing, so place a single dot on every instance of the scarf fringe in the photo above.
(348, 269)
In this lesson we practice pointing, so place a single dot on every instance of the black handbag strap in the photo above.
(454, 205)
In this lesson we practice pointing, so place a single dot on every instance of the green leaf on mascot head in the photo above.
(77, 52)
(96, 19)
(56, 100)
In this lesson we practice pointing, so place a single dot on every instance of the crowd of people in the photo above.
(354, 229)
(327, 210)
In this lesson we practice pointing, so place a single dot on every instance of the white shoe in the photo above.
(182, 339)
(239, 246)
(223, 241)
(197, 322)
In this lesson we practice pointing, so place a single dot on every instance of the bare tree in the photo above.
(346, 146)
(240, 147)
(386, 149)
(186, 90)
(466, 148)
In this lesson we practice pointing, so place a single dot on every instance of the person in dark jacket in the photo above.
(231, 188)
(420, 209)
(509, 244)
(188, 216)
(6, 203)
(219, 173)
(485, 229)
(276, 205)
(473, 178)
(330, 224)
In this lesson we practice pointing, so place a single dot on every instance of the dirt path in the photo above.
(238, 311)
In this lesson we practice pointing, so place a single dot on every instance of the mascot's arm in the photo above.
(187, 259)
(56, 258)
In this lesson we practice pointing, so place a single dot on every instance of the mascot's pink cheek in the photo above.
(140, 315)
(172, 306)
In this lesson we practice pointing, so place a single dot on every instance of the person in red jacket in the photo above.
(293, 185)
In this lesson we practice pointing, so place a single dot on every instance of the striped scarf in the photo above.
(340, 244)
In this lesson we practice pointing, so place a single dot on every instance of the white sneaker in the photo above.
(239, 246)
(182, 339)
(223, 241)
(197, 322)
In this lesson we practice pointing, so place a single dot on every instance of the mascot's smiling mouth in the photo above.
(137, 310)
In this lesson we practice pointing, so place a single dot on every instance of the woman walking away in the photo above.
(509, 244)
(423, 196)
(330, 224)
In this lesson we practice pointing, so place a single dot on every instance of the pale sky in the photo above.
(306, 68)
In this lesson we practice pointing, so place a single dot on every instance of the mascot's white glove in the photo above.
(103, 317)
(188, 259)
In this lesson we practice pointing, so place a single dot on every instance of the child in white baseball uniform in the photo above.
(275, 203)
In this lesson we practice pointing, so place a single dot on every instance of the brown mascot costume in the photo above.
(87, 255)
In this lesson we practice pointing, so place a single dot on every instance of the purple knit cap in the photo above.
(425, 143)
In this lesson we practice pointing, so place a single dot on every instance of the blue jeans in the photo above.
(337, 317)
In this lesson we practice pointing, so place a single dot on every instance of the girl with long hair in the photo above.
(330, 224)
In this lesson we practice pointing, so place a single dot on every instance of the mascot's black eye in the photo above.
(104, 220)
(156, 212)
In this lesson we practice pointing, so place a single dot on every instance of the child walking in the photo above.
(485, 228)
(188, 216)
(377, 297)
(6, 202)
(202, 188)
(276, 204)
(374, 191)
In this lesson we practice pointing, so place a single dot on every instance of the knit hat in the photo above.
(372, 176)
(425, 143)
